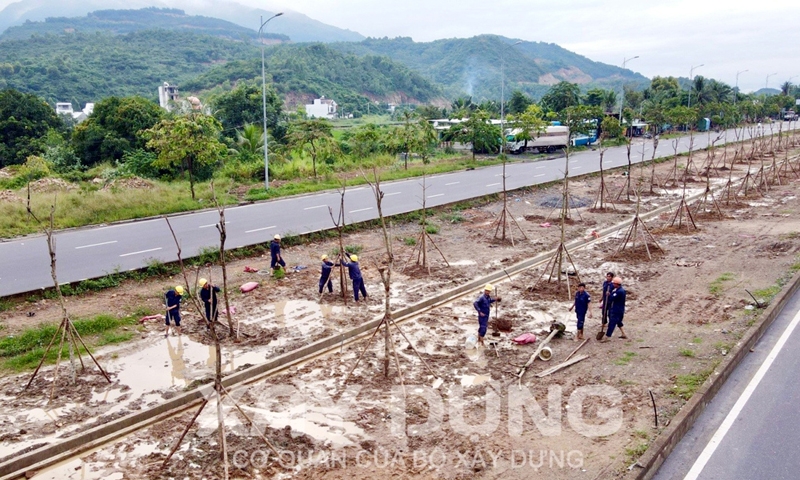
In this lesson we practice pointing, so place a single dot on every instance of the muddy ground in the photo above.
(463, 416)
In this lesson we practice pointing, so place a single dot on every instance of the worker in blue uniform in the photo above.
(483, 305)
(581, 306)
(607, 287)
(325, 274)
(355, 275)
(616, 309)
(275, 253)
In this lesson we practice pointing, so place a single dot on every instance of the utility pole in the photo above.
(736, 90)
(622, 97)
(691, 80)
(503, 97)
(264, 98)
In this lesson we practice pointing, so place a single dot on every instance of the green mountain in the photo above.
(127, 21)
(474, 65)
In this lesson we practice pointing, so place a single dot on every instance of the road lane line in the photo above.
(361, 209)
(211, 225)
(312, 208)
(141, 251)
(95, 245)
(259, 229)
(390, 194)
(493, 184)
(543, 166)
(732, 416)
(577, 168)
(451, 183)
(540, 175)
(437, 195)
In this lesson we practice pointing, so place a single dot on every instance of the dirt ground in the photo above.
(463, 414)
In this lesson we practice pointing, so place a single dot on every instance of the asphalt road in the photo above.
(96, 251)
(751, 429)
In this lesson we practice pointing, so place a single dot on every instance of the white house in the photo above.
(167, 93)
(321, 108)
(65, 108)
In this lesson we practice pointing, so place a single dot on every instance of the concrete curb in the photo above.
(680, 424)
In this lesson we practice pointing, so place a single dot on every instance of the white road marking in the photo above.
(259, 229)
(733, 415)
(499, 175)
(141, 251)
(540, 175)
(95, 245)
(451, 183)
(437, 195)
(390, 194)
(577, 168)
(361, 209)
(493, 184)
(543, 166)
(212, 225)
(312, 208)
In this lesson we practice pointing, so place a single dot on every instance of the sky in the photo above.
(668, 36)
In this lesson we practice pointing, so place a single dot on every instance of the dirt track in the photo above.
(678, 330)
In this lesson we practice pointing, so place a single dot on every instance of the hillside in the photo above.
(297, 26)
(473, 65)
(302, 72)
(126, 21)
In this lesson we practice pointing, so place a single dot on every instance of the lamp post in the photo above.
(264, 98)
(736, 89)
(766, 84)
(622, 101)
(503, 96)
(691, 79)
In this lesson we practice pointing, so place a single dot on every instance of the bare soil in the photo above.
(676, 326)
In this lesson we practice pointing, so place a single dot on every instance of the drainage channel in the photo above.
(49, 455)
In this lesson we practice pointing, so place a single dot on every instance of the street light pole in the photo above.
(264, 98)
(503, 96)
(736, 89)
(766, 84)
(622, 100)
(691, 79)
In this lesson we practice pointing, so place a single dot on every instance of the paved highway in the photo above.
(751, 429)
(96, 251)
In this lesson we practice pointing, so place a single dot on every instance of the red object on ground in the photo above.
(151, 317)
(250, 269)
(248, 287)
(545, 224)
(525, 338)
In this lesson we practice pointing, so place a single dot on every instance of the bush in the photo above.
(139, 163)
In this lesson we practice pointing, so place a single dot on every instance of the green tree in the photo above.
(560, 96)
(24, 120)
(114, 128)
(594, 97)
(478, 131)
(367, 140)
(518, 102)
(531, 124)
(314, 137)
(249, 141)
(462, 107)
(243, 105)
(188, 142)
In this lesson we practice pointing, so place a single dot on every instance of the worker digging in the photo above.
(208, 294)
(483, 305)
(354, 271)
(173, 304)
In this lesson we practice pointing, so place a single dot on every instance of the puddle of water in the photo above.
(321, 423)
(472, 380)
(304, 316)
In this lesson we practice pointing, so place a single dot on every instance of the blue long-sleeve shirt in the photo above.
(582, 300)
(607, 287)
(275, 249)
(352, 269)
(483, 305)
(616, 301)
(327, 266)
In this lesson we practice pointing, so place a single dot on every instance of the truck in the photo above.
(553, 138)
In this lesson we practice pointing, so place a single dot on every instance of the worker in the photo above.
(275, 253)
(483, 305)
(607, 287)
(173, 299)
(616, 309)
(208, 294)
(581, 306)
(355, 275)
(325, 274)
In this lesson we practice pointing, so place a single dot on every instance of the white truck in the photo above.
(553, 138)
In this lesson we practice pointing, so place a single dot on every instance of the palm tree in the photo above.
(785, 88)
(249, 139)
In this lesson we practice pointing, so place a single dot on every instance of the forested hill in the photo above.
(473, 65)
(310, 70)
(127, 21)
(82, 68)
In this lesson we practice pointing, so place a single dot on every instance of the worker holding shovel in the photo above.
(616, 309)
(208, 294)
(607, 287)
(581, 306)
(483, 305)
(173, 301)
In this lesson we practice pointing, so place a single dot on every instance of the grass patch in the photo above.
(717, 286)
(686, 385)
(432, 229)
(637, 451)
(452, 217)
(687, 352)
(410, 241)
(697, 340)
(625, 358)
(765, 295)
(641, 434)
(5, 305)
(23, 351)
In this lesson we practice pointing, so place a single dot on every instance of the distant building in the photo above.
(65, 108)
(321, 108)
(167, 93)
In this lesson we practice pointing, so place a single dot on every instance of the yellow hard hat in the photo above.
(179, 290)
(203, 282)
(354, 258)
(277, 237)
(489, 287)
(323, 257)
